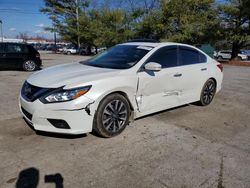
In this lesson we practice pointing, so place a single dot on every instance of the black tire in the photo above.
(29, 65)
(220, 58)
(107, 122)
(239, 58)
(68, 53)
(83, 53)
(207, 93)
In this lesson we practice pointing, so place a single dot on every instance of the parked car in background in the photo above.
(17, 55)
(226, 55)
(70, 50)
(128, 81)
(83, 51)
(98, 50)
(246, 52)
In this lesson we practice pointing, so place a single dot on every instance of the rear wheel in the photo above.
(29, 65)
(112, 116)
(68, 53)
(208, 92)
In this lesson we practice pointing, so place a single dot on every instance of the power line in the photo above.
(18, 11)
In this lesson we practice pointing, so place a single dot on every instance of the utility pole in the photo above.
(55, 48)
(1, 22)
(77, 23)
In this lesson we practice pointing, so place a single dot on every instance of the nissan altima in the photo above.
(127, 81)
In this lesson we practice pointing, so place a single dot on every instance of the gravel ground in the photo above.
(186, 147)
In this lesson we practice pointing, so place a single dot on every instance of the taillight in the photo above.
(37, 55)
(220, 66)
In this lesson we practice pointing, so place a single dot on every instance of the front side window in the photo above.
(166, 56)
(15, 48)
(119, 57)
(190, 56)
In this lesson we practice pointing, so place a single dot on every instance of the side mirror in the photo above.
(152, 66)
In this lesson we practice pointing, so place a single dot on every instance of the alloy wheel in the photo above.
(208, 92)
(114, 116)
(29, 65)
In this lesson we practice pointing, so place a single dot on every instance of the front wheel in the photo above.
(220, 58)
(208, 92)
(29, 65)
(240, 58)
(112, 116)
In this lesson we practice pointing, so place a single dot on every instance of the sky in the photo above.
(23, 16)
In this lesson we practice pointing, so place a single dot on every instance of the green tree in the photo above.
(188, 21)
(64, 15)
(108, 27)
(235, 26)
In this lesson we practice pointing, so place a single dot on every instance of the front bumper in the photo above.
(72, 112)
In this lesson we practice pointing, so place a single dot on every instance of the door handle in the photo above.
(203, 69)
(178, 75)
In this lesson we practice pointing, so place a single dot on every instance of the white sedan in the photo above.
(130, 80)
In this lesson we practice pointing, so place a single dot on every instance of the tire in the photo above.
(207, 93)
(239, 58)
(112, 116)
(68, 53)
(220, 58)
(29, 66)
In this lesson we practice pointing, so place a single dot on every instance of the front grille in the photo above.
(31, 93)
(27, 114)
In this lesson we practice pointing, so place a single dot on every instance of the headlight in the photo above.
(65, 95)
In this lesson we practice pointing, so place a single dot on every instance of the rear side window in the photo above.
(32, 49)
(225, 52)
(166, 56)
(2, 48)
(190, 56)
(15, 48)
(203, 58)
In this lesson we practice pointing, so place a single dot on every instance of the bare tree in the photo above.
(23, 35)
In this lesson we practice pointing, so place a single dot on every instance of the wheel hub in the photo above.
(114, 116)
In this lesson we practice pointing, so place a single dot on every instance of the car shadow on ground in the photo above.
(170, 109)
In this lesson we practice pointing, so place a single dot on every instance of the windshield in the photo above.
(119, 57)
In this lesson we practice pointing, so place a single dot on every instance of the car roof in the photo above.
(156, 44)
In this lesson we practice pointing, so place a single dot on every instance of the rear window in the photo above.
(225, 52)
(32, 49)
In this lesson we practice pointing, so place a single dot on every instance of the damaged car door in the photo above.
(160, 89)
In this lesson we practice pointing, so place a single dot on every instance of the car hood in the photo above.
(69, 75)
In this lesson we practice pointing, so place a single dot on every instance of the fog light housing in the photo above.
(59, 123)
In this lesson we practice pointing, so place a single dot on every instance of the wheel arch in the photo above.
(124, 94)
(215, 81)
